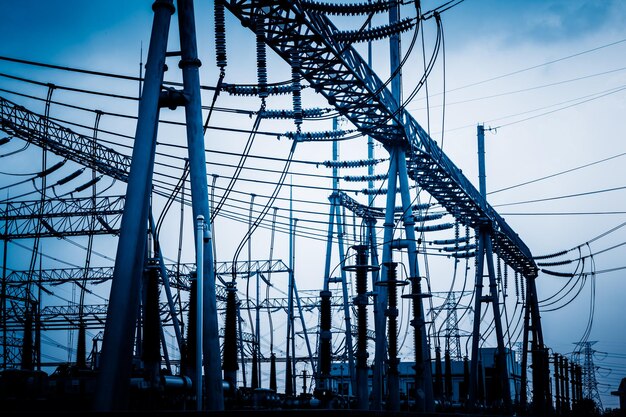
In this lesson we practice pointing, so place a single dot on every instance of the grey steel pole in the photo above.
(344, 292)
(199, 199)
(478, 295)
(422, 354)
(501, 362)
(117, 345)
(166, 285)
(480, 264)
(380, 302)
(199, 239)
(482, 178)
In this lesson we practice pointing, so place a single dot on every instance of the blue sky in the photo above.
(547, 74)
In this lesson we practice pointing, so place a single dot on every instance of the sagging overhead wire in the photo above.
(266, 208)
(40, 174)
(90, 72)
(586, 193)
(238, 168)
(600, 236)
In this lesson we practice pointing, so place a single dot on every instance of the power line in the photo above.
(524, 90)
(606, 190)
(564, 213)
(558, 173)
(554, 61)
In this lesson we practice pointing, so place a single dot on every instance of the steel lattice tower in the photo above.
(590, 383)
(453, 338)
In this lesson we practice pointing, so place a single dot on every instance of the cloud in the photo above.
(533, 22)
(563, 20)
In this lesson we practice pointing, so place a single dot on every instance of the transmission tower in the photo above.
(590, 384)
(452, 335)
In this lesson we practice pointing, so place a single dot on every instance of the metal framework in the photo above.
(68, 317)
(62, 217)
(244, 268)
(36, 129)
(335, 70)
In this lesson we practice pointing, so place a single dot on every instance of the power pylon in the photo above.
(452, 334)
(590, 383)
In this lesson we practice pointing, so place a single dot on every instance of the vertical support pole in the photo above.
(394, 55)
(289, 372)
(166, 285)
(438, 387)
(393, 376)
(380, 301)
(241, 350)
(360, 301)
(566, 383)
(572, 373)
(323, 386)
(189, 65)
(423, 371)
(273, 384)
(448, 377)
(423, 377)
(557, 384)
(478, 295)
(478, 285)
(188, 366)
(480, 257)
(4, 297)
(344, 292)
(229, 364)
(501, 362)
(482, 177)
(486, 251)
(579, 384)
(150, 352)
(325, 339)
(524, 370)
(335, 216)
(254, 372)
(303, 324)
(541, 369)
(114, 377)
(27, 340)
(199, 238)
(464, 394)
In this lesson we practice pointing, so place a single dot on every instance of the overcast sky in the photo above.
(547, 77)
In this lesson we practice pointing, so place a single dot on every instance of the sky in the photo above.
(545, 78)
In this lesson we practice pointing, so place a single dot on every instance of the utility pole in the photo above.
(485, 250)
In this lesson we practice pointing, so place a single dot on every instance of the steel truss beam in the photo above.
(307, 303)
(179, 274)
(335, 70)
(33, 128)
(62, 217)
(245, 268)
(68, 317)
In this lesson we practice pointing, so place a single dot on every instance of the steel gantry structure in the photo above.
(61, 217)
(33, 128)
(302, 35)
(335, 70)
